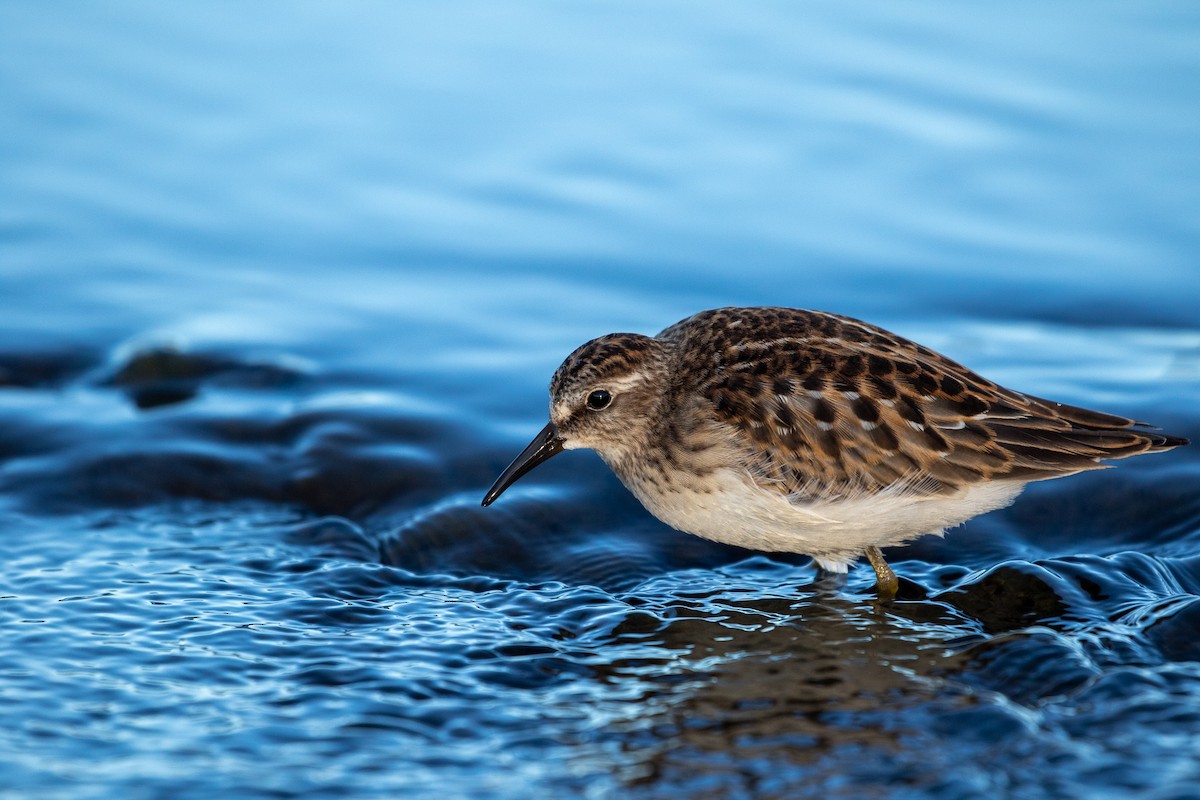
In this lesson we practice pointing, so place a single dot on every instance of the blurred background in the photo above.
(281, 288)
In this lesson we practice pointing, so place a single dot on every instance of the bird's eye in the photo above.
(599, 400)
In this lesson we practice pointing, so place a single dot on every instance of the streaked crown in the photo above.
(606, 393)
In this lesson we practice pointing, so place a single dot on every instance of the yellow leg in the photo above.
(886, 582)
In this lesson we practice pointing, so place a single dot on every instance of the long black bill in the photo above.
(544, 445)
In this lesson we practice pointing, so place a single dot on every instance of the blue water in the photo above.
(281, 288)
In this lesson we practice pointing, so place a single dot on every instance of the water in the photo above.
(281, 287)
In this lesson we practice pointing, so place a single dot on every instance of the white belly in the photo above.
(834, 532)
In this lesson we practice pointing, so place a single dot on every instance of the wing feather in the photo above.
(831, 406)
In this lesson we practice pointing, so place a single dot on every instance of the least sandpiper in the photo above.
(800, 431)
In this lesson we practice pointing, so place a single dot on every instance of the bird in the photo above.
(787, 430)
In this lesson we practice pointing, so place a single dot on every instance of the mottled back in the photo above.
(825, 405)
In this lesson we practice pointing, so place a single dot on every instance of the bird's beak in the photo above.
(546, 444)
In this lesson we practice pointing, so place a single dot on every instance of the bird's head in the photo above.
(605, 396)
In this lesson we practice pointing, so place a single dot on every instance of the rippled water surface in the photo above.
(281, 287)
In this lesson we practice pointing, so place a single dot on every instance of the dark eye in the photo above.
(599, 399)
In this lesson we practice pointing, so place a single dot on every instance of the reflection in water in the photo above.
(832, 690)
(821, 689)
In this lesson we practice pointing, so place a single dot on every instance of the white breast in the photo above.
(732, 509)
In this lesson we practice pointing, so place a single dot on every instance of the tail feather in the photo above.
(1043, 447)
(1162, 441)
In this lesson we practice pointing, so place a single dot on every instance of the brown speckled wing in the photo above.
(824, 405)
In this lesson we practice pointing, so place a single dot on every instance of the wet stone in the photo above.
(1008, 597)
(164, 376)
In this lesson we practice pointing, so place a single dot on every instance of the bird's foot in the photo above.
(886, 582)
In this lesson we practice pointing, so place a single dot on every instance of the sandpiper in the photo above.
(780, 429)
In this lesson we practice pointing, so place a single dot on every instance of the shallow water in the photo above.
(281, 288)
